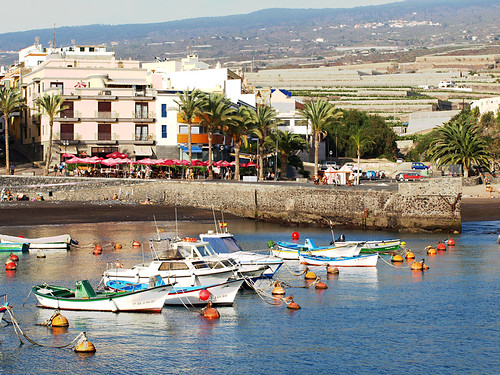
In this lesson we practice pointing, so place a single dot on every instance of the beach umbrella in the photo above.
(167, 162)
(67, 155)
(73, 160)
(117, 154)
(180, 162)
(250, 164)
(146, 161)
(123, 161)
(232, 164)
(109, 162)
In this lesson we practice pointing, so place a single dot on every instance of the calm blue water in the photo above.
(384, 320)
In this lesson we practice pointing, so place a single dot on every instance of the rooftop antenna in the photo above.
(54, 41)
(37, 41)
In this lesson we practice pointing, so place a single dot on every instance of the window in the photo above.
(104, 109)
(59, 85)
(67, 132)
(82, 49)
(167, 266)
(141, 132)
(68, 112)
(164, 131)
(141, 110)
(104, 132)
(91, 49)
(183, 129)
(163, 110)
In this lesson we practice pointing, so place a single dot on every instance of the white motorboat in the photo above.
(42, 243)
(193, 249)
(290, 250)
(225, 246)
(175, 265)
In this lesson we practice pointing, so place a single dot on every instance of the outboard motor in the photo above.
(341, 238)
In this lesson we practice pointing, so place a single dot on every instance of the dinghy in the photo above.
(355, 261)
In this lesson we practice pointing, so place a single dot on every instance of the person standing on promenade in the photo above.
(12, 169)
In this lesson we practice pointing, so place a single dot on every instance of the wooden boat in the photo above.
(218, 294)
(369, 260)
(225, 246)
(290, 250)
(56, 242)
(84, 298)
(11, 246)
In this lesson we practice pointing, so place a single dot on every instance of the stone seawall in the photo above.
(432, 205)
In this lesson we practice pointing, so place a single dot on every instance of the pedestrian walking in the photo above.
(12, 169)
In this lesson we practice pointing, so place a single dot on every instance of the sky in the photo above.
(42, 14)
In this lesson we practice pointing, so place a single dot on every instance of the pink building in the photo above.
(110, 104)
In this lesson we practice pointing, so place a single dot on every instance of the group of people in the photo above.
(61, 168)
(7, 196)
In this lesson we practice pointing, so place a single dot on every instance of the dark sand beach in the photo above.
(39, 213)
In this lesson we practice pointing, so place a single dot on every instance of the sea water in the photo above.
(386, 319)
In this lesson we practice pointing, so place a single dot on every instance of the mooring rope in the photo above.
(19, 332)
(293, 273)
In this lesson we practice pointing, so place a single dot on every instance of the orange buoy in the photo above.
(310, 275)
(209, 312)
(278, 290)
(97, 250)
(431, 251)
(295, 236)
(10, 265)
(136, 244)
(292, 305)
(410, 255)
(14, 257)
(59, 321)
(332, 270)
(396, 258)
(320, 285)
(84, 346)
(118, 246)
(450, 242)
(416, 266)
(441, 246)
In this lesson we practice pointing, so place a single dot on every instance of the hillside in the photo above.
(291, 35)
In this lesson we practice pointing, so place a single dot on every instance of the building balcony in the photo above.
(142, 117)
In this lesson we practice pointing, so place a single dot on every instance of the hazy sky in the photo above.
(41, 14)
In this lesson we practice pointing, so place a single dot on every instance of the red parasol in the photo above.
(116, 154)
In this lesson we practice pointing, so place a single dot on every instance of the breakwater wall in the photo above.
(431, 205)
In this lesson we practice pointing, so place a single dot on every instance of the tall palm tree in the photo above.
(10, 101)
(321, 115)
(459, 142)
(263, 120)
(216, 111)
(360, 141)
(237, 128)
(288, 143)
(189, 107)
(50, 106)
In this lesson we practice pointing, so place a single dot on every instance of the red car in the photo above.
(409, 176)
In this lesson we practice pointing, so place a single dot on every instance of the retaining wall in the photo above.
(433, 205)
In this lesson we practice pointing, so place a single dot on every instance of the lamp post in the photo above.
(276, 162)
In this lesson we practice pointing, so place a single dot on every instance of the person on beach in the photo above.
(12, 169)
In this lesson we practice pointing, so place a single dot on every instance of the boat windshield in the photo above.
(200, 264)
(223, 244)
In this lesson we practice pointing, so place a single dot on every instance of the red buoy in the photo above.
(204, 294)
(14, 257)
(10, 265)
(321, 285)
(209, 312)
(450, 242)
(295, 235)
(97, 250)
(441, 246)
(293, 305)
(136, 244)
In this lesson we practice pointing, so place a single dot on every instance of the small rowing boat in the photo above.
(10, 246)
(290, 250)
(355, 261)
(84, 298)
(56, 242)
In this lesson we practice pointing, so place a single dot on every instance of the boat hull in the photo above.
(7, 246)
(389, 246)
(356, 261)
(287, 252)
(147, 300)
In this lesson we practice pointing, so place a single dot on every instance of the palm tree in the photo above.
(10, 101)
(459, 142)
(321, 115)
(288, 143)
(51, 106)
(189, 107)
(237, 128)
(360, 141)
(263, 120)
(215, 112)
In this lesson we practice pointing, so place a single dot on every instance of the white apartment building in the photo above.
(487, 105)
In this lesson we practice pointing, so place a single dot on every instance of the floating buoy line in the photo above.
(79, 344)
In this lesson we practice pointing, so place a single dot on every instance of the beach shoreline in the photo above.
(64, 212)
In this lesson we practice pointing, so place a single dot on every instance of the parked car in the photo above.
(399, 161)
(419, 165)
(409, 176)
(362, 175)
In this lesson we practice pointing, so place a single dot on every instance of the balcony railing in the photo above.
(144, 115)
(148, 137)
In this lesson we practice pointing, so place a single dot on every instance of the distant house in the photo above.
(487, 105)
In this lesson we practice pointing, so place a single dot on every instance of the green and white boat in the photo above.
(84, 298)
(8, 246)
(377, 246)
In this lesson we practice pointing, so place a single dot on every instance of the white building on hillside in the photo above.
(487, 105)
